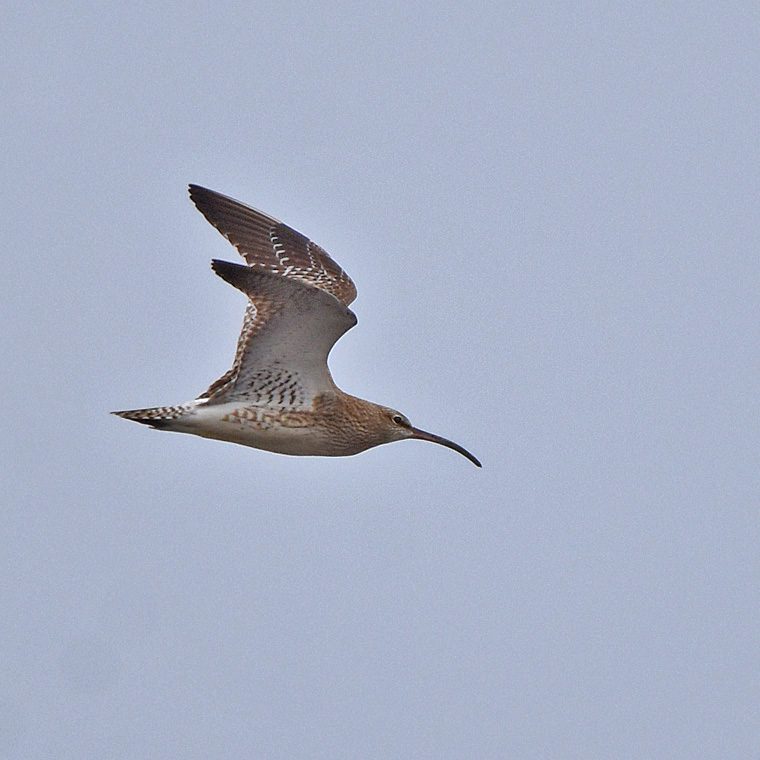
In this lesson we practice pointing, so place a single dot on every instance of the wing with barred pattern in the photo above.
(266, 243)
(288, 332)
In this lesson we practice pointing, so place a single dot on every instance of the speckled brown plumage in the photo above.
(279, 394)
(266, 243)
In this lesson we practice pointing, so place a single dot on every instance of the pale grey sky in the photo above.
(551, 216)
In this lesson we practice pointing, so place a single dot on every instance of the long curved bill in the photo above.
(425, 436)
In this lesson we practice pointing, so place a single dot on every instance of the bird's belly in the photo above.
(283, 432)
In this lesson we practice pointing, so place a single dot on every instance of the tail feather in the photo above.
(158, 417)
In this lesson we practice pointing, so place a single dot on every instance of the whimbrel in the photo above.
(279, 394)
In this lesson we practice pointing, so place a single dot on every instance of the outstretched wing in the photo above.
(288, 332)
(268, 244)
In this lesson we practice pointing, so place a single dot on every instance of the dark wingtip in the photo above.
(196, 190)
(201, 196)
(234, 274)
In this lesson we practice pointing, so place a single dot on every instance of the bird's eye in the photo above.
(398, 419)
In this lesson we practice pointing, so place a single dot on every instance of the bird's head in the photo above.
(396, 427)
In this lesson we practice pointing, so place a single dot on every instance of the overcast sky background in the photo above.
(552, 219)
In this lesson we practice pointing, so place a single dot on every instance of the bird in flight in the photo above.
(279, 394)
